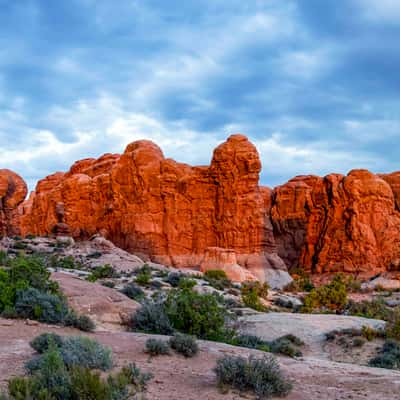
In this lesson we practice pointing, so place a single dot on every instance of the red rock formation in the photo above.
(13, 191)
(218, 215)
(158, 208)
(337, 223)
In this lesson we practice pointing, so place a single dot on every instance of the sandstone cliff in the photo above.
(156, 207)
(338, 223)
(188, 216)
(13, 191)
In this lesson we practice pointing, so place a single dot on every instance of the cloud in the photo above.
(314, 85)
(380, 11)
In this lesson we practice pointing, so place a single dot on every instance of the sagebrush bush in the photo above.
(21, 273)
(53, 378)
(156, 347)
(77, 351)
(81, 322)
(43, 342)
(262, 376)
(84, 323)
(284, 346)
(133, 291)
(152, 318)
(174, 278)
(184, 344)
(45, 307)
(332, 296)
(249, 341)
(85, 352)
(388, 357)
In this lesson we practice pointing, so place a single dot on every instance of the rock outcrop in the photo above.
(338, 223)
(197, 217)
(13, 191)
(158, 208)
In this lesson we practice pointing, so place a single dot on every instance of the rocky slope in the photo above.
(219, 215)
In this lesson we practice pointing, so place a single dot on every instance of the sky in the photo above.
(314, 84)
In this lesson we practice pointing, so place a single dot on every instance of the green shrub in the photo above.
(369, 333)
(156, 347)
(217, 274)
(52, 378)
(88, 385)
(388, 357)
(375, 309)
(284, 346)
(196, 314)
(84, 323)
(133, 291)
(136, 377)
(81, 322)
(301, 281)
(34, 304)
(43, 342)
(217, 279)
(20, 274)
(393, 327)
(103, 272)
(262, 376)
(184, 344)
(186, 283)
(251, 293)
(174, 278)
(332, 296)
(144, 276)
(249, 341)
(152, 318)
(85, 352)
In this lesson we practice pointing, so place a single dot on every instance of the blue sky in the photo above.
(315, 84)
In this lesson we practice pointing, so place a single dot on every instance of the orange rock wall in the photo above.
(13, 191)
(338, 223)
(188, 216)
(156, 207)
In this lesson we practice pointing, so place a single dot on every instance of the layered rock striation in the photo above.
(185, 216)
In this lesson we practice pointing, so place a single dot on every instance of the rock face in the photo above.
(13, 191)
(158, 208)
(216, 215)
(338, 223)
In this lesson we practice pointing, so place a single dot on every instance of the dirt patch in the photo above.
(178, 378)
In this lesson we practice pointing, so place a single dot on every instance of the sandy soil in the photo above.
(177, 378)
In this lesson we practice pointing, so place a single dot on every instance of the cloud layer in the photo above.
(315, 85)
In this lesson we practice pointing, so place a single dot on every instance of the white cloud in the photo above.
(387, 11)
